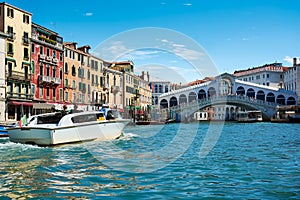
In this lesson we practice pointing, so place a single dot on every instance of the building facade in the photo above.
(269, 75)
(46, 65)
(2, 76)
(17, 24)
(292, 78)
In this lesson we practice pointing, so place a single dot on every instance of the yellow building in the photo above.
(17, 24)
(95, 74)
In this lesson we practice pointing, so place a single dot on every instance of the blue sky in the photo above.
(235, 34)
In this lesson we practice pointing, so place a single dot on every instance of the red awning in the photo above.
(18, 103)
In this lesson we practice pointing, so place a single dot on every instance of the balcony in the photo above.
(55, 60)
(25, 41)
(14, 95)
(17, 76)
(42, 57)
(11, 36)
(48, 58)
(49, 80)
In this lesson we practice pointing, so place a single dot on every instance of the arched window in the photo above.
(173, 101)
(73, 71)
(66, 68)
(201, 94)
(280, 99)
(250, 93)
(240, 91)
(260, 95)
(192, 97)
(270, 97)
(182, 99)
(163, 103)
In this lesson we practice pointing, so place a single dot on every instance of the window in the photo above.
(66, 53)
(32, 67)
(54, 54)
(47, 70)
(41, 69)
(48, 92)
(61, 56)
(41, 92)
(10, 12)
(32, 89)
(73, 71)
(257, 77)
(79, 56)
(60, 73)
(10, 48)
(60, 94)
(66, 83)
(73, 84)
(32, 48)
(66, 96)
(26, 19)
(26, 54)
(25, 38)
(53, 72)
(9, 67)
(53, 92)
(268, 75)
(10, 32)
(66, 68)
(48, 52)
(41, 50)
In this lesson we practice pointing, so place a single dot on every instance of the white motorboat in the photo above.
(54, 128)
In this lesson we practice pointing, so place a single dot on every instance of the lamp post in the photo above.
(136, 96)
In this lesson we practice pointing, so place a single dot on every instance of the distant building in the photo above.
(269, 75)
(159, 87)
(292, 78)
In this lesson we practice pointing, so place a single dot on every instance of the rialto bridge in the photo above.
(226, 90)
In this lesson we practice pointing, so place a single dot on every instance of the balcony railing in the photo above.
(49, 80)
(11, 36)
(19, 95)
(47, 41)
(16, 75)
(25, 40)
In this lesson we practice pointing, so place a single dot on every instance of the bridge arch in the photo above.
(240, 91)
(182, 99)
(261, 95)
(250, 93)
(201, 94)
(280, 99)
(291, 101)
(164, 104)
(192, 97)
(270, 97)
(173, 101)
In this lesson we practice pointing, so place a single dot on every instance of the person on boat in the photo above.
(64, 112)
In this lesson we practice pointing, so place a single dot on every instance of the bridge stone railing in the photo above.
(267, 108)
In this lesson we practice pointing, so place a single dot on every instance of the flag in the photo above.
(23, 121)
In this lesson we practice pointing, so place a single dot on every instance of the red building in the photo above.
(46, 65)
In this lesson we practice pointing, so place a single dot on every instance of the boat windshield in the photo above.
(87, 117)
(49, 119)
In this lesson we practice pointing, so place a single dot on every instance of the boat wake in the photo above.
(128, 136)
(12, 145)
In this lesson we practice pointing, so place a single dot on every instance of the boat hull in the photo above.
(105, 130)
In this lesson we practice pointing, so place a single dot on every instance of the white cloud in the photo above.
(288, 59)
(187, 4)
(88, 14)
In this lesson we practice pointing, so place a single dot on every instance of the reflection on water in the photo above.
(256, 161)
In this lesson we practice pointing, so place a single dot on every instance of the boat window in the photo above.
(49, 119)
(84, 118)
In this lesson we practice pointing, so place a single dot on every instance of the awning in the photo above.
(42, 106)
(18, 103)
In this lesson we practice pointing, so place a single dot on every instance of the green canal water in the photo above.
(174, 161)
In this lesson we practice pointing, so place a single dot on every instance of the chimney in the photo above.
(294, 61)
(148, 77)
(143, 75)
